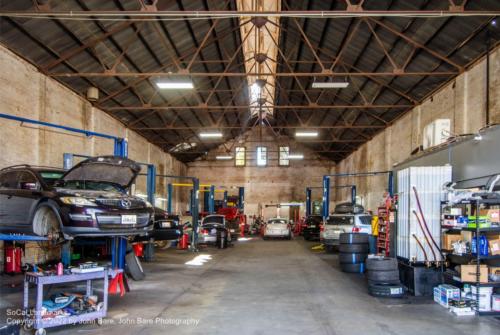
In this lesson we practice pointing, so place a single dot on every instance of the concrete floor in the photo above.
(262, 287)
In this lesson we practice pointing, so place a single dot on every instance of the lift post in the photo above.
(194, 201)
(326, 186)
(211, 200)
(241, 198)
(309, 196)
(308, 201)
(224, 203)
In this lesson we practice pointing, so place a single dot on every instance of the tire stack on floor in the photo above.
(353, 251)
(383, 277)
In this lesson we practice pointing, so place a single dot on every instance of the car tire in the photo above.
(382, 264)
(352, 258)
(353, 248)
(353, 238)
(353, 268)
(46, 222)
(134, 267)
(372, 282)
(383, 276)
(386, 290)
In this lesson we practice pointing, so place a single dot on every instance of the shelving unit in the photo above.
(384, 231)
(475, 205)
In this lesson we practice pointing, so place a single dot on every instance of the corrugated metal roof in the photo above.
(152, 46)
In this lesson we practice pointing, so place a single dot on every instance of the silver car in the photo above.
(277, 227)
(210, 226)
(337, 224)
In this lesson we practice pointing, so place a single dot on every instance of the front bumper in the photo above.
(101, 221)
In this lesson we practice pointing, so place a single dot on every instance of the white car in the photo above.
(277, 228)
(344, 223)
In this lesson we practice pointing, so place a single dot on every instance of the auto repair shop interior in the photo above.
(249, 167)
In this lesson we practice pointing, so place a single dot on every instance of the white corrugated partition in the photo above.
(428, 181)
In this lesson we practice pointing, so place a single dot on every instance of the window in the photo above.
(8, 180)
(261, 156)
(284, 152)
(27, 181)
(239, 156)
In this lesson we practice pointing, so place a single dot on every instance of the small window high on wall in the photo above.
(261, 156)
(239, 159)
(284, 153)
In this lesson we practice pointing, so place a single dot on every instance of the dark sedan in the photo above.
(88, 200)
(312, 226)
(167, 227)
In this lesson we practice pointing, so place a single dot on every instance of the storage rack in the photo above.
(475, 206)
(384, 231)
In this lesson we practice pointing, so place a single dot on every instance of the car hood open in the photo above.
(110, 169)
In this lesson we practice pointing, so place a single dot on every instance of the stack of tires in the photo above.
(353, 250)
(383, 277)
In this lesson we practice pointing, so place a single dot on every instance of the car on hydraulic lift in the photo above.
(347, 218)
(88, 200)
(311, 227)
(214, 225)
(277, 228)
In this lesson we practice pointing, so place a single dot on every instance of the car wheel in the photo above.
(383, 276)
(133, 267)
(357, 248)
(386, 290)
(46, 222)
(353, 268)
(353, 238)
(163, 245)
(351, 258)
(381, 264)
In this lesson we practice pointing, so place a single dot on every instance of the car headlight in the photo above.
(78, 201)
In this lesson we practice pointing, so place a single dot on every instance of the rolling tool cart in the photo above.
(37, 317)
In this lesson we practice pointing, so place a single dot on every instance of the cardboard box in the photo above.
(437, 294)
(448, 293)
(492, 215)
(468, 273)
(466, 236)
(448, 240)
(494, 246)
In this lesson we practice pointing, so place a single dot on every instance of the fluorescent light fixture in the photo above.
(330, 84)
(223, 157)
(175, 85)
(306, 134)
(217, 134)
(296, 156)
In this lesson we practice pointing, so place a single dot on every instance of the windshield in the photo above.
(214, 219)
(347, 220)
(50, 177)
(277, 221)
(92, 186)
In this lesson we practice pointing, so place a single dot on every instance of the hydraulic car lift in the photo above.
(309, 196)
(326, 185)
(120, 149)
